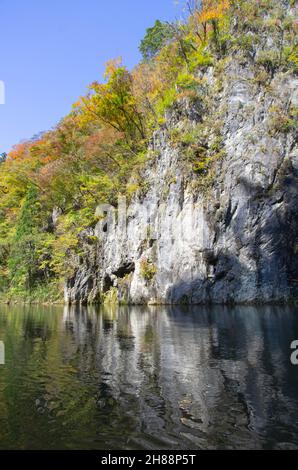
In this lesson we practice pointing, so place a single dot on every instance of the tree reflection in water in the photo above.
(148, 377)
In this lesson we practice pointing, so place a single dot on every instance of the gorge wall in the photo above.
(228, 234)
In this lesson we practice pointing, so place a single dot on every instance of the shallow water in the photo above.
(148, 378)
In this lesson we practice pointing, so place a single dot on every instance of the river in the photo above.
(148, 378)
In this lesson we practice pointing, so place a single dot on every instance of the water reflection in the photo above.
(153, 378)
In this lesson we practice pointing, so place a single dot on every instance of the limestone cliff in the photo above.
(226, 231)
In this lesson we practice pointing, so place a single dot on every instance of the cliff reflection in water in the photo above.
(154, 377)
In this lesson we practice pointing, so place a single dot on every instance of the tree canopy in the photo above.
(156, 37)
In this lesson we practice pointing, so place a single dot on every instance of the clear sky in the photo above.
(52, 49)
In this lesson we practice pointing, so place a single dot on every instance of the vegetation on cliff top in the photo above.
(97, 151)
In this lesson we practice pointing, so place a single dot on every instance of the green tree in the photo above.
(24, 261)
(155, 38)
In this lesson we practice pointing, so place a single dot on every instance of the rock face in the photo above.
(230, 235)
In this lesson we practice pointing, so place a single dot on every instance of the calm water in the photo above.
(148, 378)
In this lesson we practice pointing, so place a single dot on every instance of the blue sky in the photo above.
(52, 49)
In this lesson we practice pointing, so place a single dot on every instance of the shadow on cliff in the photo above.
(266, 225)
(221, 287)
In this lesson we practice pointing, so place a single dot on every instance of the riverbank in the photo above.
(60, 301)
(49, 294)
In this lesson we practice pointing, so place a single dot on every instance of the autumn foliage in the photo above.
(97, 151)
